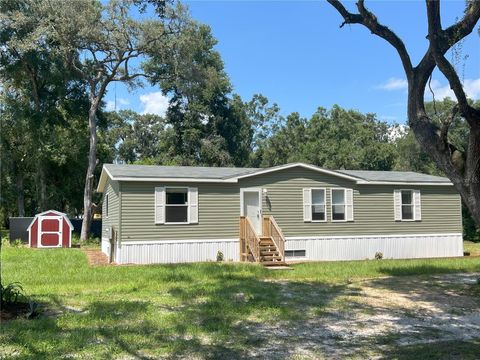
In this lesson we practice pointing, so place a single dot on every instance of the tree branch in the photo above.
(439, 41)
(446, 125)
(366, 18)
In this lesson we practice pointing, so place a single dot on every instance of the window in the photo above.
(106, 205)
(295, 253)
(176, 205)
(407, 205)
(338, 205)
(318, 205)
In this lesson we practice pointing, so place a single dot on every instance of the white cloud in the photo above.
(110, 105)
(154, 103)
(470, 86)
(397, 131)
(123, 101)
(393, 84)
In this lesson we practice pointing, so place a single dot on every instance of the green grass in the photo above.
(197, 310)
(472, 248)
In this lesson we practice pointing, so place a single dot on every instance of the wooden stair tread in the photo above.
(274, 263)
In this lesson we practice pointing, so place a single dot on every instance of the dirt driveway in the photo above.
(395, 317)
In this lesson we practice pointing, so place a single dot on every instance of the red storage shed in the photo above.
(50, 229)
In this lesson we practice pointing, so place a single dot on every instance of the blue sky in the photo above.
(294, 53)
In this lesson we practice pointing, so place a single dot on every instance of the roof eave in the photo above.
(365, 182)
(173, 179)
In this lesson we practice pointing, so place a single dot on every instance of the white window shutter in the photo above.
(349, 204)
(193, 205)
(159, 205)
(397, 204)
(307, 204)
(417, 202)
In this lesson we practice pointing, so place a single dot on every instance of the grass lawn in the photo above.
(207, 310)
(472, 248)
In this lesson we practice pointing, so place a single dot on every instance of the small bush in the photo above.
(378, 255)
(17, 243)
(91, 241)
(220, 256)
(11, 293)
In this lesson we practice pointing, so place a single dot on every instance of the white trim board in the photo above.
(365, 182)
(147, 242)
(366, 236)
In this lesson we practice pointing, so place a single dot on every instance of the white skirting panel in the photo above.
(178, 251)
(106, 246)
(365, 247)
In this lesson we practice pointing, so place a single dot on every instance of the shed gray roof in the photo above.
(394, 176)
(191, 172)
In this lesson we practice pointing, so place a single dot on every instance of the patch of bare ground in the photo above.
(378, 318)
(96, 257)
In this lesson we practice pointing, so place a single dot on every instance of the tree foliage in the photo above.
(462, 166)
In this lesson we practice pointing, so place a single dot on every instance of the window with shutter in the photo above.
(307, 205)
(159, 205)
(193, 205)
(407, 204)
(349, 198)
(417, 202)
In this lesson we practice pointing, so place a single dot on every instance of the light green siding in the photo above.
(113, 220)
(219, 208)
(218, 213)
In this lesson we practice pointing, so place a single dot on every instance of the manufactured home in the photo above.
(171, 214)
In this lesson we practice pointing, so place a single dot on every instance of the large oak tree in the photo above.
(462, 166)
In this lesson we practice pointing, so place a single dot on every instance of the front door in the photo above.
(252, 207)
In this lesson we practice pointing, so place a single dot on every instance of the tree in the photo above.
(104, 44)
(135, 137)
(462, 167)
(39, 97)
(208, 126)
(335, 139)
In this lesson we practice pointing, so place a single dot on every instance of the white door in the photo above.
(252, 208)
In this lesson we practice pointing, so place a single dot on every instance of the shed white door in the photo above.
(50, 230)
(252, 208)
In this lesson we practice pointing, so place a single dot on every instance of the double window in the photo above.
(315, 201)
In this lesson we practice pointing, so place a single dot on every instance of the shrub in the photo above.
(378, 255)
(11, 293)
(220, 256)
(17, 243)
(91, 241)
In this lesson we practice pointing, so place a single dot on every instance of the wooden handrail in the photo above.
(249, 240)
(271, 228)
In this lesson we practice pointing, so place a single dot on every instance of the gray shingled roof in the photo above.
(221, 173)
(394, 176)
(193, 172)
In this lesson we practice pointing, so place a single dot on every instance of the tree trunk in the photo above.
(472, 173)
(89, 179)
(20, 194)
(42, 188)
(465, 179)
